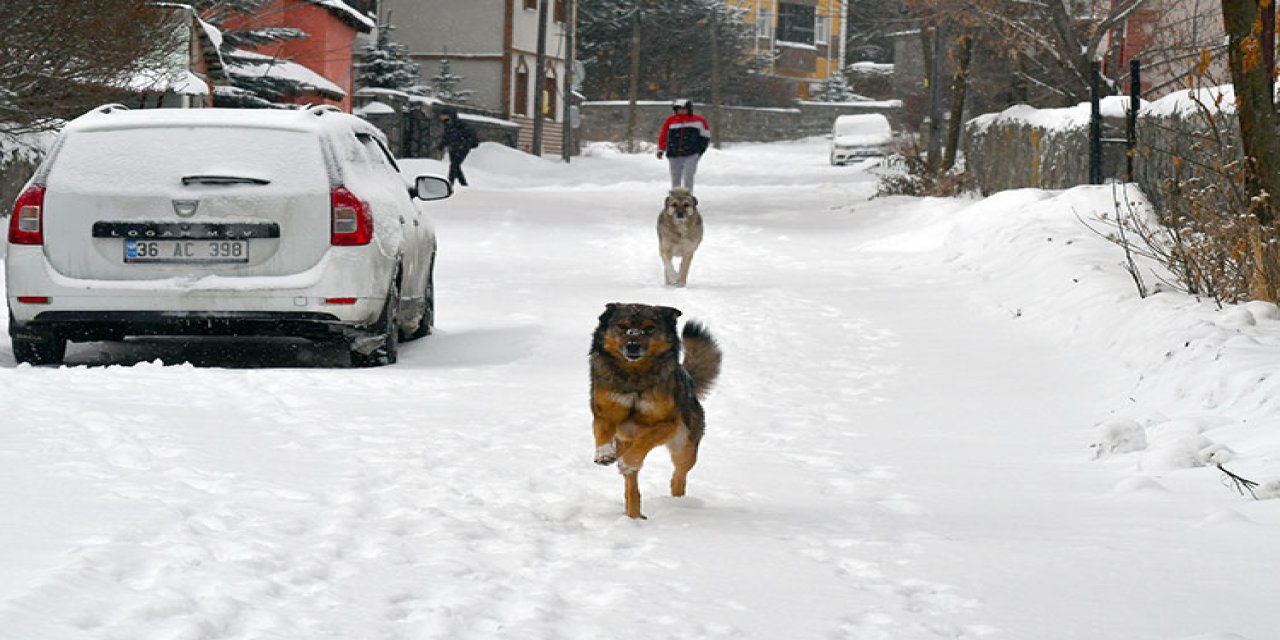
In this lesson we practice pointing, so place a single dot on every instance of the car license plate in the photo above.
(186, 251)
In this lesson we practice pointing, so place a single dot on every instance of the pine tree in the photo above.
(445, 85)
(387, 65)
(835, 89)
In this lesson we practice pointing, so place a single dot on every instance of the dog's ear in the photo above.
(695, 200)
(666, 203)
(608, 311)
(669, 315)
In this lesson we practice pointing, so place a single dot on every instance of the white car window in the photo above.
(377, 153)
(350, 152)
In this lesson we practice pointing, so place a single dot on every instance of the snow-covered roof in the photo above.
(414, 98)
(249, 63)
(183, 82)
(347, 14)
(880, 68)
(374, 108)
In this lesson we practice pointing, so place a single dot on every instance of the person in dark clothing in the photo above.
(459, 138)
(683, 140)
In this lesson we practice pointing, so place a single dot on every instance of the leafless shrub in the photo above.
(1203, 229)
(907, 173)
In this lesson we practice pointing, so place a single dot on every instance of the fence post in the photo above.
(1095, 123)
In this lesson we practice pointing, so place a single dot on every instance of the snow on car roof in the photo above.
(315, 119)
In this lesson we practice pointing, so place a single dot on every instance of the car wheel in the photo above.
(428, 319)
(36, 348)
(389, 328)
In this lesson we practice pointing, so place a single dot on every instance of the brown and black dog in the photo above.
(643, 397)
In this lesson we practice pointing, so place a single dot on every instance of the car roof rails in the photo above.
(320, 109)
(108, 108)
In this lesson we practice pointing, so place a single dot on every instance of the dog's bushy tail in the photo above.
(701, 357)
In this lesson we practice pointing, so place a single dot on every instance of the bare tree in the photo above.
(1255, 102)
(1054, 41)
(1250, 26)
(60, 58)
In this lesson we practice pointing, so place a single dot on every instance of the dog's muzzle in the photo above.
(633, 350)
(682, 213)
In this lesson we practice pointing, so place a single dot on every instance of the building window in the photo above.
(531, 4)
(764, 23)
(822, 30)
(560, 11)
(795, 23)
(521, 95)
(549, 95)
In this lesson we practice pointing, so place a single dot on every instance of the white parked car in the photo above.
(858, 136)
(221, 222)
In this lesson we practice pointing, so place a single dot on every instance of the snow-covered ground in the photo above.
(937, 419)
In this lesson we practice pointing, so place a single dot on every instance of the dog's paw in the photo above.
(606, 454)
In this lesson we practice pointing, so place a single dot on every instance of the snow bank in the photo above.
(1207, 391)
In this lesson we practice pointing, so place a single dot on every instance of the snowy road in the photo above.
(896, 450)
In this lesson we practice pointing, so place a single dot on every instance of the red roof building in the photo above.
(332, 26)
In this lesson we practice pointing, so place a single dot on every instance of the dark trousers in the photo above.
(455, 167)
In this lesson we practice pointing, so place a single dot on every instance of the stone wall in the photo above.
(607, 121)
(1049, 148)
(1042, 148)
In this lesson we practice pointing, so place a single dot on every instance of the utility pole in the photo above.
(540, 75)
(633, 88)
(570, 45)
(715, 78)
(933, 40)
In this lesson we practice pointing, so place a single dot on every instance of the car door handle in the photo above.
(416, 223)
(401, 219)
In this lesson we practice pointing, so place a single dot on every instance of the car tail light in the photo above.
(26, 226)
(33, 299)
(352, 219)
(340, 300)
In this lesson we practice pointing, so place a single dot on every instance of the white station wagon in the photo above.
(238, 222)
(859, 136)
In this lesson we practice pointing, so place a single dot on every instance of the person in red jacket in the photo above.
(683, 140)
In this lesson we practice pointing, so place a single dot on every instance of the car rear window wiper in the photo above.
(187, 180)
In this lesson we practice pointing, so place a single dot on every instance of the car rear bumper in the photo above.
(319, 301)
(850, 155)
(113, 325)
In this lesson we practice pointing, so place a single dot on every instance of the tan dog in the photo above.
(643, 396)
(679, 234)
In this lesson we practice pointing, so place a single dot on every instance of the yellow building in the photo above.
(805, 36)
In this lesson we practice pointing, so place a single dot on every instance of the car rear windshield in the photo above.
(120, 159)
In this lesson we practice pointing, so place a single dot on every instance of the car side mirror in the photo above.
(431, 188)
